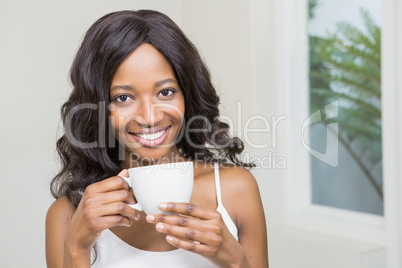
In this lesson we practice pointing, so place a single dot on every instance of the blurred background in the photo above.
(311, 86)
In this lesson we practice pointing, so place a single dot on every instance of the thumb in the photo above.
(123, 173)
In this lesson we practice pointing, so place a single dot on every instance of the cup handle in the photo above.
(134, 206)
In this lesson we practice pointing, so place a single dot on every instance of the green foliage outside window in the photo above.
(346, 66)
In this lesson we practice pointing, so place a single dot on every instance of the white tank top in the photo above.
(115, 253)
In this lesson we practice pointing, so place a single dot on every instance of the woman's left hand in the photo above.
(203, 225)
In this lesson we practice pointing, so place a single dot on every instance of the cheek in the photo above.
(118, 117)
(178, 113)
(117, 123)
(112, 116)
(114, 125)
(180, 108)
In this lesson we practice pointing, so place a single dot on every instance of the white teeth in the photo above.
(152, 136)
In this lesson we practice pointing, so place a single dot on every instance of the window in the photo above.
(345, 84)
(302, 210)
(303, 207)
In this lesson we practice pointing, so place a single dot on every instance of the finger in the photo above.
(189, 234)
(115, 220)
(124, 173)
(183, 221)
(118, 208)
(116, 196)
(108, 185)
(188, 245)
(190, 210)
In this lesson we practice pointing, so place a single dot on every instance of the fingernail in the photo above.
(159, 226)
(150, 218)
(163, 205)
(136, 217)
(169, 238)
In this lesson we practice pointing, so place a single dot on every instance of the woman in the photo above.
(142, 95)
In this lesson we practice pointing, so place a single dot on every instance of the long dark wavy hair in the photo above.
(85, 153)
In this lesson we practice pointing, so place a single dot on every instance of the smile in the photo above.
(152, 136)
(151, 139)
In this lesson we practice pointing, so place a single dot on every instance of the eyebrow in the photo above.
(126, 87)
(165, 81)
(156, 85)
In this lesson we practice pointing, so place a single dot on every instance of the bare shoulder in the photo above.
(60, 210)
(233, 178)
(58, 220)
(241, 197)
(240, 194)
(237, 179)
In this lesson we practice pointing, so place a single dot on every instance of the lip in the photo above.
(151, 130)
(151, 143)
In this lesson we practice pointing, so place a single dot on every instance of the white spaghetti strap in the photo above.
(218, 185)
(221, 209)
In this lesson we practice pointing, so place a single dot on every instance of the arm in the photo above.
(71, 233)
(58, 219)
(240, 191)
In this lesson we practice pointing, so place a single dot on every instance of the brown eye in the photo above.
(166, 92)
(122, 98)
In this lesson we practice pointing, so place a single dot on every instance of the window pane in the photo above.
(345, 87)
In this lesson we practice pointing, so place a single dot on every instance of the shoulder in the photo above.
(237, 179)
(60, 209)
(58, 220)
(59, 216)
(233, 178)
(240, 195)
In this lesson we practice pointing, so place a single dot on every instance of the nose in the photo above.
(148, 113)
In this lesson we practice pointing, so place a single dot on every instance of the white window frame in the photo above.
(392, 127)
(292, 76)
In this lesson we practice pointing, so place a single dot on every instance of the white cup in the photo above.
(170, 182)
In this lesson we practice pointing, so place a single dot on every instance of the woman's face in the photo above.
(147, 105)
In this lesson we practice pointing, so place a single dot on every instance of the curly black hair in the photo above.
(106, 44)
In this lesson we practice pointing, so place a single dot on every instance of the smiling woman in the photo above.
(139, 72)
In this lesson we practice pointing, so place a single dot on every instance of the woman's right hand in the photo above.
(103, 205)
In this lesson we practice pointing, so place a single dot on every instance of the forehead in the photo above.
(144, 64)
